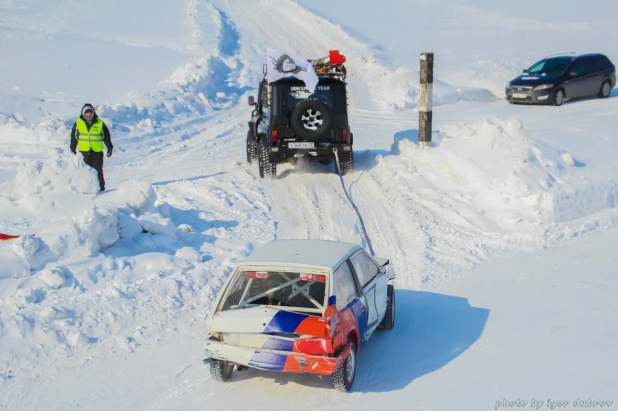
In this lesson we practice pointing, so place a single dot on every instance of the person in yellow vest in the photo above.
(89, 135)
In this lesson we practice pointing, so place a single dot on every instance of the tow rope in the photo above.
(360, 218)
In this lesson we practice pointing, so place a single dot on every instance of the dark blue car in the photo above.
(554, 79)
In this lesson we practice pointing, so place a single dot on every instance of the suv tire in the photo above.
(347, 164)
(252, 148)
(265, 167)
(606, 88)
(558, 98)
(343, 377)
(388, 323)
(221, 371)
(311, 120)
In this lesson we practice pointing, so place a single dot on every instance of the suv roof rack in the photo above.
(331, 65)
(559, 54)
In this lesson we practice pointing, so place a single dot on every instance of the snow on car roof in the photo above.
(323, 253)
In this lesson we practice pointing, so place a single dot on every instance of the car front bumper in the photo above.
(274, 360)
(517, 94)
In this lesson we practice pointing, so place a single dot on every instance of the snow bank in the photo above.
(114, 264)
(36, 182)
(138, 196)
(129, 213)
(399, 89)
(494, 176)
(88, 233)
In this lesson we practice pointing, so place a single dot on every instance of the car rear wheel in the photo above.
(265, 167)
(251, 148)
(221, 371)
(343, 377)
(558, 98)
(606, 88)
(347, 164)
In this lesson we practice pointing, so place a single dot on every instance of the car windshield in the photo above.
(549, 67)
(301, 291)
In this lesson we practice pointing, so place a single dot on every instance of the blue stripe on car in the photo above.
(284, 322)
(267, 361)
(278, 344)
(360, 312)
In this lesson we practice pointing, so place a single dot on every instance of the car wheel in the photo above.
(265, 167)
(558, 98)
(388, 323)
(343, 377)
(251, 148)
(347, 164)
(606, 88)
(221, 371)
(311, 120)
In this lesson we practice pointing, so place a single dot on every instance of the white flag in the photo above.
(281, 65)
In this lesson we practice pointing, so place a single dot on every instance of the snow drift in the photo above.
(494, 176)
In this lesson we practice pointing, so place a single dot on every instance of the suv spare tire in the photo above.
(311, 120)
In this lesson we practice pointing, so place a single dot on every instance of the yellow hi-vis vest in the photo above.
(90, 139)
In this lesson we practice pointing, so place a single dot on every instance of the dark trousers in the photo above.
(95, 160)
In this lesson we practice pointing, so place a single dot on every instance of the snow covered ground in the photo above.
(501, 233)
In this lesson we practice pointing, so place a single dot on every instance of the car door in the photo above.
(373, 283)
(593, 75)
(351, 307)
(575, 86)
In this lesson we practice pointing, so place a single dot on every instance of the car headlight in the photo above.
(543, 87)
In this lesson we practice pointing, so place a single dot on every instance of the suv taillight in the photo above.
(344, 134)
(274, 135)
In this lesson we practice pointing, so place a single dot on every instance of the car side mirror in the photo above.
(524, 71)
(251, 101)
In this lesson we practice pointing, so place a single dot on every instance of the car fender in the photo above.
(390, 274)
(388, 268)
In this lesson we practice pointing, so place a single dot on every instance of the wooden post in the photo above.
(426, 99)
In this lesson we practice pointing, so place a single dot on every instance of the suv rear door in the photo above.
(373, 283)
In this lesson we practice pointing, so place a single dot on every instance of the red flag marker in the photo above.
(6, 237)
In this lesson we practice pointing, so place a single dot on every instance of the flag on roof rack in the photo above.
(281, 65)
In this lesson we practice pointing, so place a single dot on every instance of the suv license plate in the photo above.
(519, 95)
(301, 145)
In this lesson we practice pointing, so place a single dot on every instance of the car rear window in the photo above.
(601, 63)
(606, 63)
(303, 291)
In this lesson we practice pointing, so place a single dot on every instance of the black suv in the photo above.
(290, 122)
(555, 78)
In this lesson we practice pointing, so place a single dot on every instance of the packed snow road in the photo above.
(94, 322)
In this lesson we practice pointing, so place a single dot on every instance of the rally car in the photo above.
(300, 306)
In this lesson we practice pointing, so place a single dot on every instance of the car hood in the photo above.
(533, 80)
